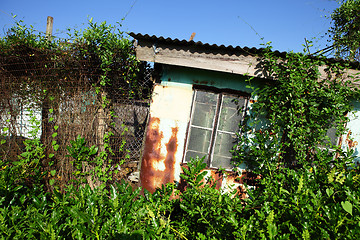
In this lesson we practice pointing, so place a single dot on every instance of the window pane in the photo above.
(331, 133)
(199, 140)
(231, 113)
(206, 97)
(219, 161)
(333, 138)
(224, 142)
(204, 115)
(204, 109)
(193, 154)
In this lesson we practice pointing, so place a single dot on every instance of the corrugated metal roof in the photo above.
(199, 44)
(229, 49)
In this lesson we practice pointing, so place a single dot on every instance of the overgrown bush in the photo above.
(307, 203)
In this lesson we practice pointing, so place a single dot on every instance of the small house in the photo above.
(199, 98)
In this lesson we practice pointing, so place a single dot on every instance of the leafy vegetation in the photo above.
(308, 188)
(308, 203)
(345, 29)
(289, 122)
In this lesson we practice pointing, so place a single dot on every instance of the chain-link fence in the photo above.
(53, 97)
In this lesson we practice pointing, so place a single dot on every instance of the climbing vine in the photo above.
(294, 114)
(307, 185)
(80, 80)
(345, 29)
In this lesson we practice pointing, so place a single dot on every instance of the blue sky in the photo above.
(230, 22)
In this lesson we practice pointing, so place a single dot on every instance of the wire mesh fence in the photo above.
(55, 97)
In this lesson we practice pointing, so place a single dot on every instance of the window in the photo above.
(333, 139)
(213, 126)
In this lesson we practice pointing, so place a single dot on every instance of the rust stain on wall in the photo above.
(158, 164)
(351, 143)
(246, 177)
(217, 178)
(171, 148)
(229, 179)
(151, 153)
(151, 175)
(213, 177)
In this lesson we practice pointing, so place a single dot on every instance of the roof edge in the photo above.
(230, 48)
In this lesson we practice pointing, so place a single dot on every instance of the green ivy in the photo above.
(289, 121)
(345, 29)
(307, 187)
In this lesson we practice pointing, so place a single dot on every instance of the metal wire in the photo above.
(41, 92)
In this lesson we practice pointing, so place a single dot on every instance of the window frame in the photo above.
(220, 93)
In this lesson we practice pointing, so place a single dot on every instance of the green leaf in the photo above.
(56, 147)
(306, 234)
(347, 206)
(51, 181)
(23, 198)
(24, 154)
(51, 155)
(329, 191)
(2, 141)
(54, 134)
(56, 127)
(53, 172)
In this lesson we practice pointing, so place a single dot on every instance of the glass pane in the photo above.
(206, 97)
(333, 138)
(331, 133)
(193, 154)
(224, 142)
(199, 140)
(231, 113)
(219, 161)
(204, 115)
(233, 102)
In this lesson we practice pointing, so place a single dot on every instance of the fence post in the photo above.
(49, 27)
(45, 126)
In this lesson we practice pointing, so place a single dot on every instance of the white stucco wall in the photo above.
(171, 103)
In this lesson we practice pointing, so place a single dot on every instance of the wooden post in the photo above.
(45, 126)
(192, 36)
(49, 27)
